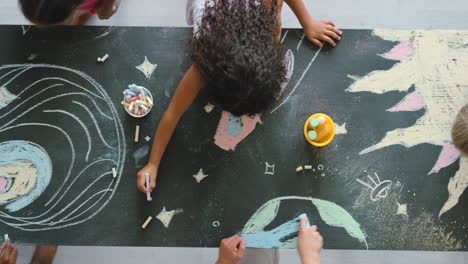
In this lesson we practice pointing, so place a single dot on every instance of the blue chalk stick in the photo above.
(305, 216)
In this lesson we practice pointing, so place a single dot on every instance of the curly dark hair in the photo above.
(237, 56)
(48, 12)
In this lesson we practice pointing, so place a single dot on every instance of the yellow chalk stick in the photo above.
(148, 220)
(137, 133)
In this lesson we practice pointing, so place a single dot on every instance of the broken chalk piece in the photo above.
(300, 168)
(137, 133)
(125, 104)
(98, 59)
(147, 138)
(312, 135)
(321, 120)
(114, 172)
(148, 99)
(308, 167)
(148, 220)
(313, 123)
(103, 59)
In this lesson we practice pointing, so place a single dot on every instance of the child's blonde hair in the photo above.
(460, 130)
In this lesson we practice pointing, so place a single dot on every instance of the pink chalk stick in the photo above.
(402, 51)
(228, 142)
(412, 102)
(447, 156)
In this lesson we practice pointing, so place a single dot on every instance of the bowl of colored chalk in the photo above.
(319, 130)
(137, 101)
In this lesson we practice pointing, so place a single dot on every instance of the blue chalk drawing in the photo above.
(13, 151)
(234, 126)
(275, 237)
(282, 236)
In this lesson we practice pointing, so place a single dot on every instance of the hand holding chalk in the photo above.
(231, 250)
(8, 253)
(309, 242)
(152, 172)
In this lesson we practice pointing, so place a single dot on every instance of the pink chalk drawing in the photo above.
(401, 52)
(412, 102)
(447, 156)
(228, 140)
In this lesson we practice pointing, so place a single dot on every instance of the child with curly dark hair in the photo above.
(66, 12)
(237, 59)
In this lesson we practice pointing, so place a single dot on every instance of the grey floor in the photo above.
(388, 14)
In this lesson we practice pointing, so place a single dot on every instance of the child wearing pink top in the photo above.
(66, 12)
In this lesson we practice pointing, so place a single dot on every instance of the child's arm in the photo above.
(107, 8)
(183, 97)
(316, 30)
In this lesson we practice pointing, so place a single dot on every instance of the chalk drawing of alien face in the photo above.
(25, 171)
(60, 138)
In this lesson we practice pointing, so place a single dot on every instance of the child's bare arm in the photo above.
(183, 97)
(315, 29)
(107, 8)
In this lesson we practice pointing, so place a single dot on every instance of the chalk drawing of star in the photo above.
(269, 169)
(166, 216)
(402, 209)
(200, 176)
(147, 68)
(435, 63)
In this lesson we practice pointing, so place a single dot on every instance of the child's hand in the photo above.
(231, 250)
(106, 12)
(8, 253)
(320, 30)
(141, 180)
(107, 9)
(309, 243)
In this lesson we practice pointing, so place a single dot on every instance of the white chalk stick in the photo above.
(114, 172)
(148, 220)
(6, 237)
(137, 133)
(321, 119)
(103, 59)
(308, 167)
(148, 194)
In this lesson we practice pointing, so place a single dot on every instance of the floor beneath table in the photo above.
(389, 14)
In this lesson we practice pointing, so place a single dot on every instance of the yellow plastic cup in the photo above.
(325, 132)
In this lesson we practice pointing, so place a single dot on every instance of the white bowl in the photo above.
(147, 92)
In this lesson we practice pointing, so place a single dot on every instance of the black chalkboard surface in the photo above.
(60, 115)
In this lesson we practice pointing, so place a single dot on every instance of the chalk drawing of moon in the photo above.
(60, 138)
(25, 172)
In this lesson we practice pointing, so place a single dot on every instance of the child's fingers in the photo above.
(333, 35)
(328, 40)
(303, 225)
(334, 29)
(153, 182)
(14, 253)
(141, 182)
(240, 252)
(317, 42)
(313, 228)
(328, 22)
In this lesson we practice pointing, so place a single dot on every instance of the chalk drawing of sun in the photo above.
(436, 64)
